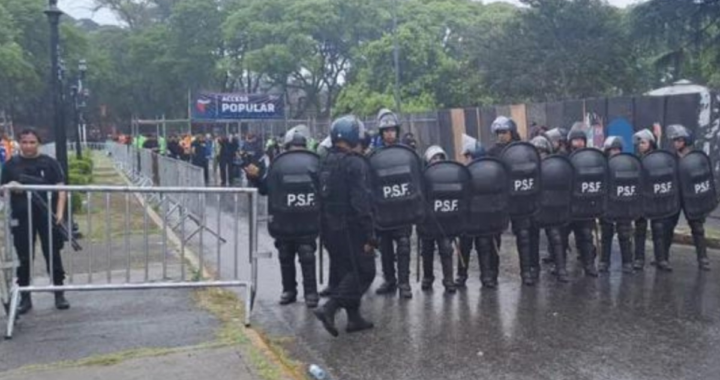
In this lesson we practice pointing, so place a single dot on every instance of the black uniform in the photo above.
(658, 228)
(347, 223)
(587, 252)
(48, 170)
(300, 244)
(697, 229)
(199, 157)
(228, 150)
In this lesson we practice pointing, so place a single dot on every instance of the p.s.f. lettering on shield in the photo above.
(590, 187)
(702, 187)
(662, 188)
(625, 191)
(396, 191)
(525, 184)
(300, 200)
(446, 205)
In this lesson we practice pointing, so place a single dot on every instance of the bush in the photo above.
(80, 174)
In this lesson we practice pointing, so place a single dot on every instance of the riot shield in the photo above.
(489, 197)
(625, 195)
(292, 195)
(556, 192)
(446, 185)
(523, 163)
(397, 187)
(697, 185)
(590, 184)
(661, 193)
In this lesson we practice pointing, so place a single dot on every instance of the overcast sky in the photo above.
(83, 9)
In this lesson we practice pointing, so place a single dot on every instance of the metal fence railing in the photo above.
(127, 242)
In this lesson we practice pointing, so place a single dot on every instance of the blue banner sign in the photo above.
(218, 106)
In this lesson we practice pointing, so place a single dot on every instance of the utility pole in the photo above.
(53, 14)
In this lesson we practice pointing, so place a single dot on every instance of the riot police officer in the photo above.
(505, 131)
(700, 191)
(523, 197)
(435, 154)
(486, 246)
(394, 243)
(557, 136)
(554, 210)
(294, 223)
(612, 147)
(347, 221)
(31, 167)
(582, 229)
(645, 144)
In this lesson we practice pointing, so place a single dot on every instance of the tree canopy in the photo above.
(334, 56)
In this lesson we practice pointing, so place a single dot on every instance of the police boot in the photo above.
(464, 263)
(403, 261)
(307, 266)
(326, 292)
(561, 264)
(387, 287)
(288, 297)
(447, 269)
(626, 251)
(523, 248)
(355, 321)
(287, 274)
(606, 236)
(640, 237)
(428, 275)
(60, 302)
(535, 253)
(326, 315)
(698, 234)
(25, 303)
(661, 262)
(487, 275)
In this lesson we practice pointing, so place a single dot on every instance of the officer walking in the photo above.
(645, 144)
(294, 223)
(444, 244)
(683, 144)
(347, 222)
(582, 229)
(612, 147)
(394, 243)
(32, 167)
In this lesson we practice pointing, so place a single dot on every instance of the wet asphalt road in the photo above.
(647, 325)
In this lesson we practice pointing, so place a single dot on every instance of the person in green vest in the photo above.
(163, 145)
(140, 141)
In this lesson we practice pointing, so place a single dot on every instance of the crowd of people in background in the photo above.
(222, 156)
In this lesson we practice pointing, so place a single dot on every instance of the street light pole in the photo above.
(53, 14)
(78, 92)
(396, 58)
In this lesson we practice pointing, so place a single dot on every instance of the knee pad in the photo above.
(403, 245)
(697, 227)
(285, 252)
(445, 247)
(307, 254)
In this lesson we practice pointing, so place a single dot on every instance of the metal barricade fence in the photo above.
(141, 256)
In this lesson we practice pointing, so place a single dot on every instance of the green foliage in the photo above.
(80, 172)
(330, 57)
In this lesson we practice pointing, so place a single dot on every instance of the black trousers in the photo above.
(24, 242)
(389, 253)
(227, 175)
(355, 269)
(304, 250)
(583, 229)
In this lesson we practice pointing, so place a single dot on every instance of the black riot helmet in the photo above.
(349, 129)
(542, 144)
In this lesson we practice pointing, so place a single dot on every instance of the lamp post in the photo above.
(79, 93)
(53, 14)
